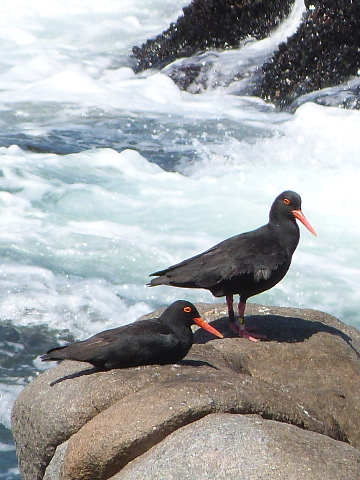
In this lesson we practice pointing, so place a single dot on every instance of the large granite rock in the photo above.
(227, 446)
(300, 387)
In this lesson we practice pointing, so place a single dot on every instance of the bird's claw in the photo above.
(252, 337)
(245, 332)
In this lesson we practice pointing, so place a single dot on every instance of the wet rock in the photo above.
(211, 24)
(324, 52)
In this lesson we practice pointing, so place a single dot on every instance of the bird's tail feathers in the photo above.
(159, 281)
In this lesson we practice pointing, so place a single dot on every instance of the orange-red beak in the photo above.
(300, 216)
(201, 323)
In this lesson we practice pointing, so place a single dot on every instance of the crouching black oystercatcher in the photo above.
(163, 340)
(246, 264)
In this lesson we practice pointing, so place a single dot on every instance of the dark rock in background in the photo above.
(323, 53)
(209, 24)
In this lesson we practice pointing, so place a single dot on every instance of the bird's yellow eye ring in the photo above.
(187, 309)
(287, 201)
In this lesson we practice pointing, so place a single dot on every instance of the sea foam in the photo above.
(107, 176)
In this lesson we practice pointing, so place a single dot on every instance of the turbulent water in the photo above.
(106, 176)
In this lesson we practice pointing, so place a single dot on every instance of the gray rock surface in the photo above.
(89, 424)
(225, 446)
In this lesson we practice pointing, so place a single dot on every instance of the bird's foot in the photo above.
(252, 327)
(245, 332)
(253, 337)
(235, 327)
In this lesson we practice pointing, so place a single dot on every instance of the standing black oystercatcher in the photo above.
(163, 340)
(246, 264)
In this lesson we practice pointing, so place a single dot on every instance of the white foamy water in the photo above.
(140, 175)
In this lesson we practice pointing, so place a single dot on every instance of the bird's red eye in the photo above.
(187, 309)
(287, 201)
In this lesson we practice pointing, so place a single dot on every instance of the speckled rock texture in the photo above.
(322, 54)
(295, 392)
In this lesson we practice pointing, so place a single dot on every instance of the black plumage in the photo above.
(246, 264)
(162, 340)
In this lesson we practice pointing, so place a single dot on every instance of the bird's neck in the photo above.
(182, 332)
(288, 233)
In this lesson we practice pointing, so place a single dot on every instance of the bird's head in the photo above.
(185, 312)
(288, 205)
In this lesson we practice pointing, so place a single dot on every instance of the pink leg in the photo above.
(243, 332)
(230, 304)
